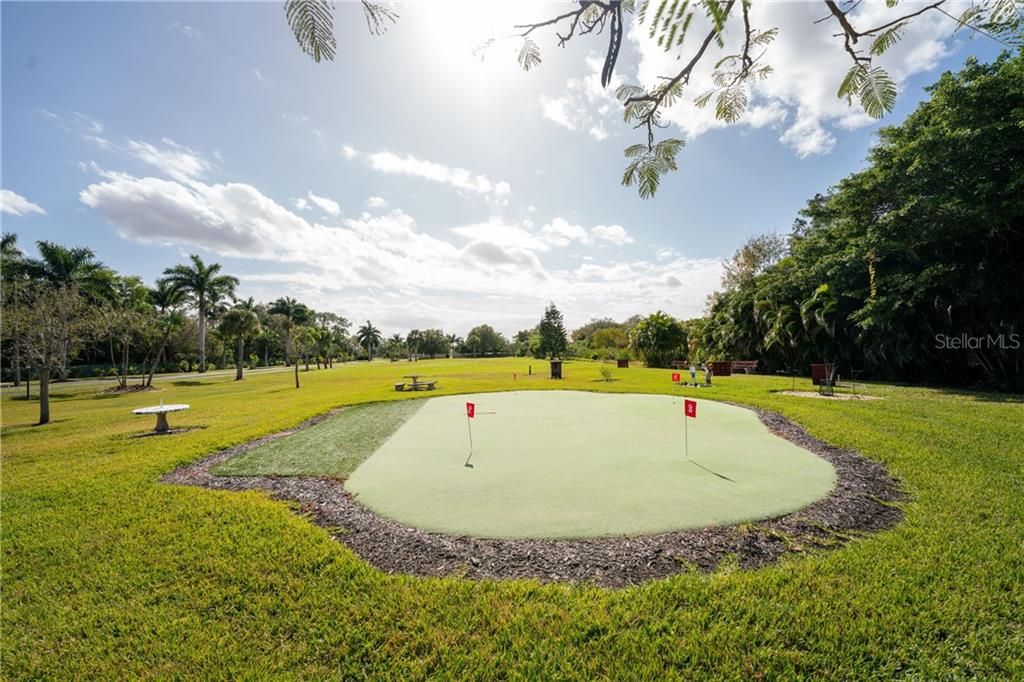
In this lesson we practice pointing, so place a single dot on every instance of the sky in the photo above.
(417, 181)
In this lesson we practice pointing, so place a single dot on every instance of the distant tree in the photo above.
(657, 339)
(412, 342)
(433, 342)
(394, 347)
(292, 313)
(586, 331)
(755, 256)
(453, 342)
(240, 323)
(13, 277)
(51, 316)
(124, 315)
(609, 337)
(553, 342)
(166, 301)
(483, 339)
(369, 338)
(206, 286)
(77, 267)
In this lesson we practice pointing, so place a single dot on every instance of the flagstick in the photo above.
(686, 436)
(469, 426)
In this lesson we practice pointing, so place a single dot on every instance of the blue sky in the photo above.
(410, 182)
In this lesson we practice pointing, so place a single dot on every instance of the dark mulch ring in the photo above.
(864, 501)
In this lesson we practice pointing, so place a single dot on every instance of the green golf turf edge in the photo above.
(572, 464)
(334, 447)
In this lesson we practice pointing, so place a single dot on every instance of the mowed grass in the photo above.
(334, 447)
(109, 574)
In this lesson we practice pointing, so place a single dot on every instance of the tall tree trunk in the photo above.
(238, 359)
(44, 395)
(288, 343)
(202, 333)
(127, 345)
(156, 363)
(306, 358)
(296, 374)
(266, 353)
(17, 343)
(17, 362)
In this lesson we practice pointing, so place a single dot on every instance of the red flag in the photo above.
(470, 410)
(691, 408)
(675, 377)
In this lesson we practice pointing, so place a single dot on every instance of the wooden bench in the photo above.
(746, 366)
(680, 364)
(400, 386)
(423, 386)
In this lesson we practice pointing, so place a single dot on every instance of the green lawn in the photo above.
(108, 573)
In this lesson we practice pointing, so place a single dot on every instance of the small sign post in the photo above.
(675, 377)
(690, 409)
(470, 413)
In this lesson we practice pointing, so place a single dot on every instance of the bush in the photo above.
(606, 372)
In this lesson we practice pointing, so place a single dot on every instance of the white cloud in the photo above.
(376, 202)
(175, 160)
(382, 267)
(615, 234)
(460, 178)
(496, 231)
(302, 205)
(560, 232)
(258, 74)
(807, 137)
(584, 105)
(15, 204)
(327, 205)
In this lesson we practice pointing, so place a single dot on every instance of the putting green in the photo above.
(572, 464)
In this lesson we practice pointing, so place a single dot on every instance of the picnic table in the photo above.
(161, 414)
(416, 384)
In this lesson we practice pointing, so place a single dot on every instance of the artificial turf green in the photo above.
(334, 447)
(574, 464)
(110, 574)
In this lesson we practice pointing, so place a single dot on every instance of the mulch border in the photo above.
(864, 500)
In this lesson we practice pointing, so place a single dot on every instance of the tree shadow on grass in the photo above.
(35, 397)
(188, 382)
(10, 428)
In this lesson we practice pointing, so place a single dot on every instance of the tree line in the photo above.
(909, 269)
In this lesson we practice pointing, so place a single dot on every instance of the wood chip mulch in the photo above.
(864, 500)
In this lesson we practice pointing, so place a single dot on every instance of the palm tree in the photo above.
(453, 341)
(369, 336)
(206, 286)
(166, 300)
(238, 323)
(63, 267)
(293, 313)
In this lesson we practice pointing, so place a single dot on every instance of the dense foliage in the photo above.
(909, 269)
(659, 339)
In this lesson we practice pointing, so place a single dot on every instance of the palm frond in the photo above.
(312, 22)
